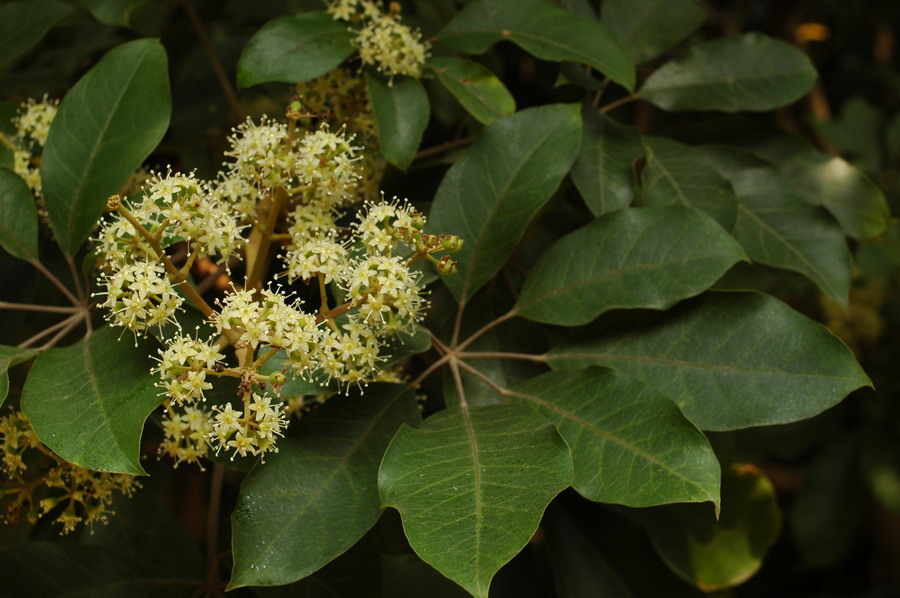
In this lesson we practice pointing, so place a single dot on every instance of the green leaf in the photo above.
(294, 49)
(821, 179)
(680, 174)
(647, 28)
(88, 402)
(106, 125)
(637, 257)
(729, 360)
(113, 12)
(23, 24)
(317, 496)
(604, 169)
(491, 194)
(779, 228)
(630, 444)
(10, 356)
(402, 346)
(743, 72)
(401, 112)
(541, 29)
(479, 90)
(715, 555)
(18, 217)
(471, 485)
(77, 570)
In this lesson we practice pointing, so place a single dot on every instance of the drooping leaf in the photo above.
(578, 569)
(779, 228)
(24, 23)
(113, 12)
(318, 495)
(821, 179)
(541, 29)
(471, 485)
(490, 195)
(729, 360)
(647, 28)
(77, 570)
(715, 555)
(18, 217)
(88, 401)
(604, 169)
(401, 113)
(632, 258)
(106, 125)
(10, 356)
(630, 444)
(676, 173)
(743, 72)
(294, 49)
(479, 90)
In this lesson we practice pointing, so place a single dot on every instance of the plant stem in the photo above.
(457, 380)
(76, 278)
(221, 75)
(62, 323)
(56, 309)
(501, 390)
(495, 322)
(502, 355)
(261, 257)
(49, 275)
(443, 147)
(430, 369)
(619, 102)
(72, 323)
(212, 526)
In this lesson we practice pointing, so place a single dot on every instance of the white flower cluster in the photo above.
(184, 365)
(384, 41)
(32, 123)
(186, 434)
(140, 295)
(253, 432)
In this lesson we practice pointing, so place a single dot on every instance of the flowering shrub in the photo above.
(388, 361)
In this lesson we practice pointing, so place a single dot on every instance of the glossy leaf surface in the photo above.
(774, 366)
(10, 356)
(401, 113)
(294, 49)
(474, 86)
(676, 173)
(18, 217)
(483, 478)
(491, 194)
(633, 258)
(88, 401)
(541, 29)
(744, 72)
(318, 495)
(107, 124)
(647, 28)
(630, 444)
(604, 169)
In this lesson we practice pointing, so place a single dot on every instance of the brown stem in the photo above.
(62, 323)
(619, 102)
(221, 75)
(495, 322)
(443, 147)
(457, 380)
(75, 277)
(502, 355)
(56, 309)
(73, 322)
(500, 390)
(261, 257)
(49, 275)
(430, 369)
(441, 347)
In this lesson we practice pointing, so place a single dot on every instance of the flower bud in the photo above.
(452, 243)
(446, 266)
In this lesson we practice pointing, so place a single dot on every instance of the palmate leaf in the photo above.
(294, 49)
(637, 257)
(647, 28)
(88, 402)
(729, 360)
(630, 444)
(318, 495)
(604, 169)
(779, 228)
(106, 125)
(471, 484)
(541, 29)
(18, 217)
(474, 86)
(401, 114)
(491, 194)
(676, 173)
(743, 72)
